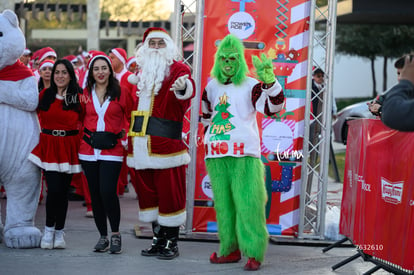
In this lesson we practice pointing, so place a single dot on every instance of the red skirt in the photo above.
(56, 153)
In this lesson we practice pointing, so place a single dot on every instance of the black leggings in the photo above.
(102, 179)
(57, 198)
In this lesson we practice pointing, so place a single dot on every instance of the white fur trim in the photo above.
(49, 53)
(188, 91)
(157, 34)
(172, 221)
(132, 60)
(117, 54)
(99, 156)
(59, 167)
(96, 56)
(46, 64)
(142, 160)
(148, 215)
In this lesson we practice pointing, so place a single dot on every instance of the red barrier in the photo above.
(377, 211)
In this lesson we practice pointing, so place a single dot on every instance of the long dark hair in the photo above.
(40, 84)
(113, 90)
(71, 101)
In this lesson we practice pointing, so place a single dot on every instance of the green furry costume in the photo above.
(239, 201)
(233, 147)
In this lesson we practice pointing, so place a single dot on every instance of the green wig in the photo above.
(230, 51)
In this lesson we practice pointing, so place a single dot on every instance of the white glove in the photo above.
(133, 79)
(179, 84)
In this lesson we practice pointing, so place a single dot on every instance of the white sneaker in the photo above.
(59, 240)
(47, 238)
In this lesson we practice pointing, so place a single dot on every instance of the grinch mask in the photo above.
(230, 64)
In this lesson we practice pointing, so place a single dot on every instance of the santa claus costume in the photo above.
(60, 113)
(158, 154)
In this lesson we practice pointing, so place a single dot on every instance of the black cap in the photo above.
(318, 71)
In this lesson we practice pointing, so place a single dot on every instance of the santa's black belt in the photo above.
(156, 126)
(60, 133)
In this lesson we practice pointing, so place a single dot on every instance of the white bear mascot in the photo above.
(19, 134)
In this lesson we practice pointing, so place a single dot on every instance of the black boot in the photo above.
(170, 250)
(158, 241)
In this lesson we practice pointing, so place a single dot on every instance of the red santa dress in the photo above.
(59, 139)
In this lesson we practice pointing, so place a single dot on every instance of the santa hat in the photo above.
(71, 58)
(35, 55)
(120, 53)
(27, 51)
(155, 32)
(92, 53)
(46, 63)
(130, 61)
(95, 55)
(45, 52)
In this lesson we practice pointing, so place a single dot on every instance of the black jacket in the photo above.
(398, 107)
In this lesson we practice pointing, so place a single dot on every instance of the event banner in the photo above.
(280, 29)
(377, 211)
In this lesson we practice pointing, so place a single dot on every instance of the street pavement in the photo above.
(284, 255)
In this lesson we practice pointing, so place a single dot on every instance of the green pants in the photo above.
(239, 200)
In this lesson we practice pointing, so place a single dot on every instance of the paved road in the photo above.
(81, 235)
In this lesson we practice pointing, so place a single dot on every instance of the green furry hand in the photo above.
(264, 69)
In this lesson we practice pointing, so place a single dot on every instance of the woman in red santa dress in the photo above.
(59, 113)
(107, 105)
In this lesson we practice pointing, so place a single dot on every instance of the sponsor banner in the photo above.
(280, 29)
(377, 211)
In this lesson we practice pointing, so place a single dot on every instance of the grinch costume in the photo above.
(232, 145)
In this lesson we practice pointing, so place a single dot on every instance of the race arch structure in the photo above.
(296, 165)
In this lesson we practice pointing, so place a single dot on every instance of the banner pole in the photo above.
(195, 110)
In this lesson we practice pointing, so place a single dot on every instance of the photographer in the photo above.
(375, 106)
(398, 106)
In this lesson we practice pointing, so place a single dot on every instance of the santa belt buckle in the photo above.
(59, 133)
(139, 123)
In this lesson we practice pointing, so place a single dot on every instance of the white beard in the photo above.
(154, 65)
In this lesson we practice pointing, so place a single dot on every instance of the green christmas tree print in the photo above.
(221, 124)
